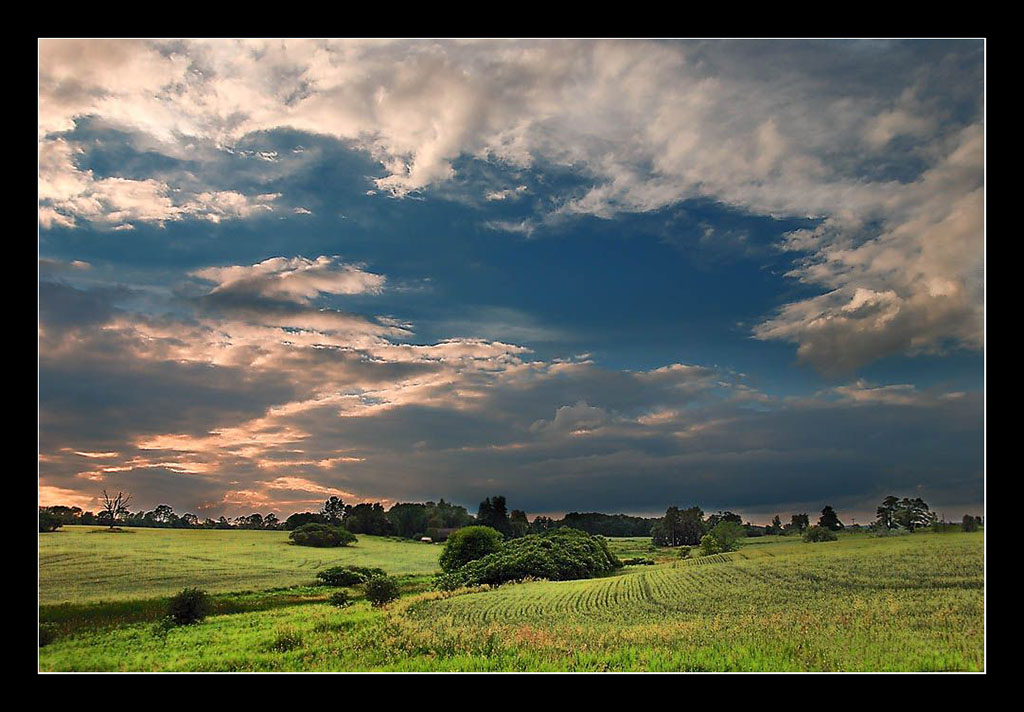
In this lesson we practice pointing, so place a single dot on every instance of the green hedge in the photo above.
(468, 544)
(348, 575)
(557, 555)
(322, 535)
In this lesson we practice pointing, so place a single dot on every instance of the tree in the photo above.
(368, 518)
(714, 519)
(49, 522)
(114, 507)
(333, 511)
(253, 521)
(162, 516)
(886, 512)
(829, 519)
(798, 523)
(519, 525)
(776, 526)
(299, 518)
(493, 513)
(445, 515)
(723, 537)
(970, 524)
(608, 524)
(67, 515)
(541, 524)
(409, 520)
(667, 531)
(912, 514)
(679, 527)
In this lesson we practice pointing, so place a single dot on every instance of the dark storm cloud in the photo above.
(408, 270)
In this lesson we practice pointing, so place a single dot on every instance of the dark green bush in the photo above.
(556, 555)
(340, 599)
(47, 633)
(348, 575)
(448, 581)
(189, 606)
(725, 536)
(817, 533)
(49, 522)
(684, 552)
(321, 535)
(468, 544)
(381, 590)
(638, 561)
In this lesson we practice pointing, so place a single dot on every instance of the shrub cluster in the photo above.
(639, 561)
(468, 544)
(340, 599)
(47, 633)
(381, 590)
(189, 606)
(49, 522)
(817, 533)
(556, 555)
(321, 535)
(725, 536)
(348, 575)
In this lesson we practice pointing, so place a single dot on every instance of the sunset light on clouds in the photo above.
(594, 275)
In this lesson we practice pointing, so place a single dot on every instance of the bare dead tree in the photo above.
(113, 507)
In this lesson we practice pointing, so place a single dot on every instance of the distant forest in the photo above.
(408, 520)
(436, 520)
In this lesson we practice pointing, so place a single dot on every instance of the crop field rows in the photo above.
(861, 603)
(722, 584)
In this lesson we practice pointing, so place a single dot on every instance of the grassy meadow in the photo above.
(861, 603)
(79, 564)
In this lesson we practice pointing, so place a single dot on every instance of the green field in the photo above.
(84, 564)
(861, 603)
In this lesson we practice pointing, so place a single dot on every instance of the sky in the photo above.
(593, 275)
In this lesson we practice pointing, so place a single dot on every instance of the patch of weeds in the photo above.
(286, 639)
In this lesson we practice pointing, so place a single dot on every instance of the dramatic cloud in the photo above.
(650, 124)
(67, 193)
(242, 303)
(230, 420)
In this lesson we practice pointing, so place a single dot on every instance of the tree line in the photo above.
(437, 520)
(688, 527)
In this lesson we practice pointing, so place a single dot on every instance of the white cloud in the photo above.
(67, 193)
(914, 286)
(298, 279)
(648, 124)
